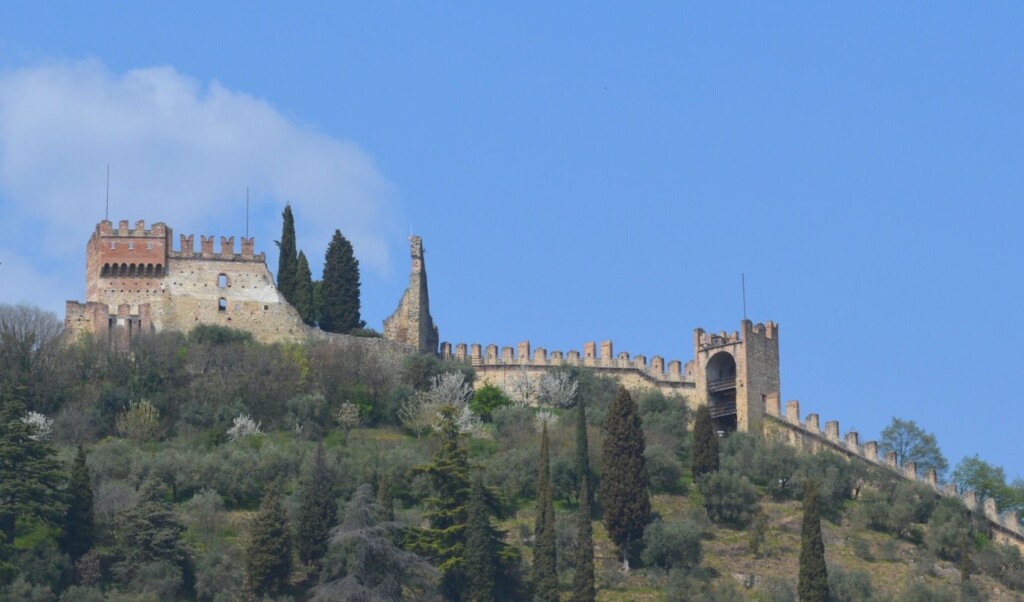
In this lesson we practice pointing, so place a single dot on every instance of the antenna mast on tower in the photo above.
(106, 212)
(247, 212)
(743, 281)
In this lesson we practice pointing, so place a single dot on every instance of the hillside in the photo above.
(189, 439)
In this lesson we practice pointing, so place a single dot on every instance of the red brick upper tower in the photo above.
(125, 260)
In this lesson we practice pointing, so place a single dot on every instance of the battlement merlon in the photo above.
(703, 340)
(227, 249)
(105, 229)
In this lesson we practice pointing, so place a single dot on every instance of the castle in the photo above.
(137, 283)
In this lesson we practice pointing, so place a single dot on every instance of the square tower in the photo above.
(735, 373)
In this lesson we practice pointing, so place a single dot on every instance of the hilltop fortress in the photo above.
(136, 283)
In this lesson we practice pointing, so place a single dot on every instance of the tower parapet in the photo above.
(411, 324)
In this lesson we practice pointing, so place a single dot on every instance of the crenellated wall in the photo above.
(808, 434)
(138, 269)
(495, 365)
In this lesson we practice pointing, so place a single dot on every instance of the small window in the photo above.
(238, 306)
(222, 281)
(222, 304)
(131, 246)
(149, 246)
(113, 244)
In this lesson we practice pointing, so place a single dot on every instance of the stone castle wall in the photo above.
(137, 268)
(808, 435)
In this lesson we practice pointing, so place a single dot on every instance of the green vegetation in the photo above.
(287, 260)
(812, 585)
(339, 311)
(165, 505)
(624, 495)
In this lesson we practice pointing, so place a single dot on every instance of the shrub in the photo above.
(140, 422)
(945, 528)
(675, 544)
(663, 468)
(729, 499)
(243, 426)
(849, 585)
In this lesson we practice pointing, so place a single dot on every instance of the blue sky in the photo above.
(578, 172)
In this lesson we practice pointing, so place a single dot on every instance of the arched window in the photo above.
(131, 270)
(106, 270)
(222, 281)
(149, 270)
(222, 305)
(159, 270)
(124, 269)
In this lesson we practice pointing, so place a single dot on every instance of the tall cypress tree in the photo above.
(287, 260)
(624, 478)
(481, 552)
(304, 291)
(545, 565)
(812, 585)
(318, 511)
(705, 444)
(583, 578)
(340, 289)
(268, 557)
(79, 524)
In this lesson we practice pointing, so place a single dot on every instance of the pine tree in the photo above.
(545, 565)
(287, 261)
(447, 511)
(813, 579)
(151, 532)
(624, 478)
(340, 288)
(79, 526)
(268, 556)
(318, 511)
(481, 557)
(583, 578)
(304, 291)
(705, 444)
(30, 476)
(445, 541)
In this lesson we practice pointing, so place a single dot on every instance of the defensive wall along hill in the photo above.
(136, 283)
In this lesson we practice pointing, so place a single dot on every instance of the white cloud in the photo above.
(180, 152)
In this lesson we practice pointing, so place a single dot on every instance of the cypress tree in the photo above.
(705, 444)
(386, 500)
(624, 478)
(340, 288)
(481, 555)
(304, 291)
(79, 525)
(583, 578)
(545, 565)
(813, 580)
(318, 511)
(268, 557)
(287, 260)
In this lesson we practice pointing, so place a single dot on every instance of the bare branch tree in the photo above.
(558, 389)
(422, 411)
(522, 388)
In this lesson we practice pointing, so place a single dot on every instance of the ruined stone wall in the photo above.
(411, 324)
